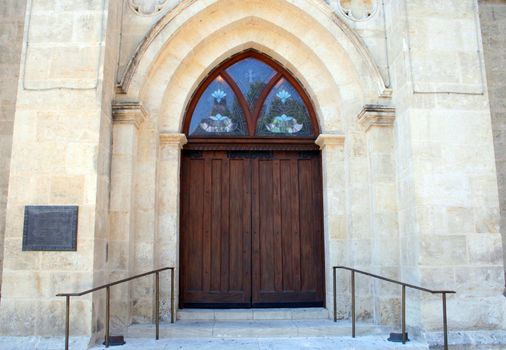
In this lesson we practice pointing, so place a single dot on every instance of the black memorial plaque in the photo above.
(50, 228)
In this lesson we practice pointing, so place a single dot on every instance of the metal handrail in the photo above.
(107, 287)
(404, 285)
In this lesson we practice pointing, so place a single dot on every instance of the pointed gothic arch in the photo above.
(250, 95)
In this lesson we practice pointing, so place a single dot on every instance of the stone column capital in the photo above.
(128, 112)
(173, 139)
(376, 115)
(325, 140)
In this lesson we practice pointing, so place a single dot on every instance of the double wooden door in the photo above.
(251, 229)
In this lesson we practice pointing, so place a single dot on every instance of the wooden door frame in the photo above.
(251, 142)
(265, 148)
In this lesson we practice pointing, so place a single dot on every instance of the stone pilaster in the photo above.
(334, 213)
(127, 118)
(60, 156)
(167, 242)
(378, 122)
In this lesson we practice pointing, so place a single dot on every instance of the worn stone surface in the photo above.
(60, 155)
(11, 28)
(493, 23)
(412, 197)
(247, 343)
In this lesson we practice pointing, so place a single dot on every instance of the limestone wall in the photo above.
(60, 155)
(448, 202)
(493, 27)
(12, 18)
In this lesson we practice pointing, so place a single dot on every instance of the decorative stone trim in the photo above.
(147, 7)
(325, 140)
(348, 8)
(128, 113)
(180, 10)
(175, 139)
(376, 115)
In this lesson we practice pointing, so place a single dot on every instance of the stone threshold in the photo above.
(256, 329)
(253, 314)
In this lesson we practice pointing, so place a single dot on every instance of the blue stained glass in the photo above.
(251, 76)
(284, 113)
(218, 112)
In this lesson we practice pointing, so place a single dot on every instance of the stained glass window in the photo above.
(218, 112)
(284, 113)
(250, 96)
(251, 76)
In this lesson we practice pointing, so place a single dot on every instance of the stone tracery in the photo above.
(358, 10)
(147, 7)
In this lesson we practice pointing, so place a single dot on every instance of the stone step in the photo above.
(320, 343)
(255, 329)
(253, 314)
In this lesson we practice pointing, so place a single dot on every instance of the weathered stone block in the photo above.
(443, 250)
(485, 249)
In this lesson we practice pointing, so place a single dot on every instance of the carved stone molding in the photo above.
(174, 139)
(376, 115)
(358, 10)
(325, 140)
(154, 36)
(128, 113)
(147, 7)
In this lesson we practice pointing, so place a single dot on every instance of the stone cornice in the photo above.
(325, 140)
(127, 112)
(376, 115)
(175, 139)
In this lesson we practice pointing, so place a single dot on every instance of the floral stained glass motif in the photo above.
(251, 76)
(218, 112)
(284, 113)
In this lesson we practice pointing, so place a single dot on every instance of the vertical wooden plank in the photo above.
(255, 233)
(216, 205)
(195, 238)
(287, 236)
(246, 241)
(296, 217)
(236, 223)
(206, 220)
(307, 263)
(318, 225)
(266, 207)
(225, 251)
(277, 244)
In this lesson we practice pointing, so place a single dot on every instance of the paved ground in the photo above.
(471, 347)
(295, 343)
(316, 343)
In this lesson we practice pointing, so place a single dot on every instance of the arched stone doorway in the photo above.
(174, 59)
(251, 223)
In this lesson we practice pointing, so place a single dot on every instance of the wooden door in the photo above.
(251, 229)
(287, 230)
(215, 230)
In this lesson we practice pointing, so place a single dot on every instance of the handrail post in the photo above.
(107, 315)
(172, 313)
(335, 293)
(67, 321)
(157, 304)
(353, 304)
(404, 314)
(403, 303)
(445, 322)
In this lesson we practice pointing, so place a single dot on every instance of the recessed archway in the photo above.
(184, 45)
(251, 184)
(328, 60)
